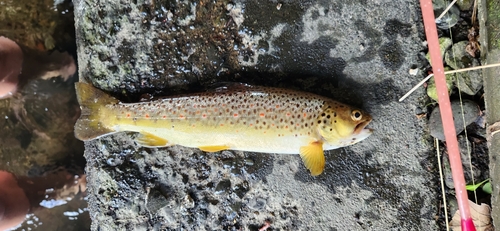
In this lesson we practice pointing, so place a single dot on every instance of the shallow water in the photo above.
(42, 180)
(39, 149)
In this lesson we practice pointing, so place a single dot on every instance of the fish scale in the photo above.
(257, 119)
(260, 109)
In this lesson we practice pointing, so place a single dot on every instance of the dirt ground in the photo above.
(358, 52)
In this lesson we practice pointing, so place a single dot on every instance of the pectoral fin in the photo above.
(214, 148)
(150, 140)
(313, 157)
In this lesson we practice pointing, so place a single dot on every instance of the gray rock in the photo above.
(333, 48)
(458, 58)
(444, 44)
(452, 204)
(431, 86)
(448, 179)
(488, 18)
(464, 4)
(469, 82)
(470, 170)
(471, 113)
(450, 18)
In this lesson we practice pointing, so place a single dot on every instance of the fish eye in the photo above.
(356, 115)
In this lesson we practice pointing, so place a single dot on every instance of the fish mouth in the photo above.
(361, 127)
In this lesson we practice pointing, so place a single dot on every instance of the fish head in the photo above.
(341, 125)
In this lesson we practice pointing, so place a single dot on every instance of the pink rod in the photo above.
(446, 115)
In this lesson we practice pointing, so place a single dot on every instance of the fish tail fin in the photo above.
(91, 100)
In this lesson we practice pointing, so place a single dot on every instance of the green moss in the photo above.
(496, 44)
(493, 24)
(444, 44)
(431, 85)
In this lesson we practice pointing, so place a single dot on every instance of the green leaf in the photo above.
(473, 187)
(487, 188)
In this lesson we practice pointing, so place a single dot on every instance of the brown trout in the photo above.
(245, 118)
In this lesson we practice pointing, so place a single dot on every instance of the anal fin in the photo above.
(313, 157)
(214, 148)
(150, 140)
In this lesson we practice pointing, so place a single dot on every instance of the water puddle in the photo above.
(42, 180)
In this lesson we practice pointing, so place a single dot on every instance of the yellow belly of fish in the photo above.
(215, 138)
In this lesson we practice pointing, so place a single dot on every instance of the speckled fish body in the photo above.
(246, 118)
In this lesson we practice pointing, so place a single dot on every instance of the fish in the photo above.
(239, 117)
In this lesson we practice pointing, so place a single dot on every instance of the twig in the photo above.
(474, 13)
(436, 142)
(446, 10)
(446, 73)
(415, 87)
(472, 68)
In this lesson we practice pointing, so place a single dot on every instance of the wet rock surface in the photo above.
(431, 86)
(473, 153)
(358, 52)
(469, 82)
(450, 18)
(37, 144)
(444, 44)
(464, 113)
(490, 40)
